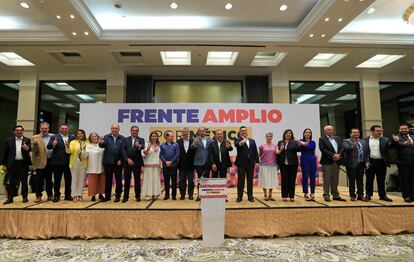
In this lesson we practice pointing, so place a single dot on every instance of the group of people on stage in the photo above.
(113, 155)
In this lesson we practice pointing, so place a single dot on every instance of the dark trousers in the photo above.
(356, 174)
(58, 171)
(110, 171)
(308, 167)
(202, 171)
(137, 180)
(221, 172)
(245, 172)
(288, 173)
(44, 175)
(17, 174)
(377, 168)
(406, 173)
(186, 178)
(170, 173)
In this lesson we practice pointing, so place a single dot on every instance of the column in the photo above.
(115, 86)
(279, 88)
(370, 102)
(28, 103)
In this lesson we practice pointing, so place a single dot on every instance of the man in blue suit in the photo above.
(246, 160)
(200, 148)
(59, 161)
(16, 163)
(113, 159)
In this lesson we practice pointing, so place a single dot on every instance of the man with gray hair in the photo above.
(331, 148)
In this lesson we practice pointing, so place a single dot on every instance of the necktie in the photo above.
(360, 153)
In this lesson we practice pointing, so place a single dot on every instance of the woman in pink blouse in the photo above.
(268, 178)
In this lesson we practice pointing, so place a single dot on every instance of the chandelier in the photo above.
(408, 15)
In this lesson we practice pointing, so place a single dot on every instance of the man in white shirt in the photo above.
(16, 162)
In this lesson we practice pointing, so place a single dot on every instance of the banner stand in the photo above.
(213, 194)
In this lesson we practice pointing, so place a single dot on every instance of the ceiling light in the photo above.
(86, 33)
(308, 98)
(267, 59)
(329, 105)
(176, 57)
(283, 8)
(303, 98)
(173, 5)
(371, 10)
(228, 6)
(86, 98)
(221, 58)
(74, 33)
(65, 105)
(15, 86)
(324, 60)
(347, 97)
(294, 85)
(328, 87)
(383, 86)
(47, 97)
(340, 19)
(61, 86)
(327, 19)
(311, 35)
(72, 16)
(58, 17)
(24, 5)
(323, 35)
(13, 59)
(379, 61)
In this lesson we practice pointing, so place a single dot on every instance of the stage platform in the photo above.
(182, 218)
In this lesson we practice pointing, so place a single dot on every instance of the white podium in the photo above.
(213, 194)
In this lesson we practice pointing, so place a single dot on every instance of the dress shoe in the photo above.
(138, 199)
(93, 199)
(182, 197)
(198, 198)
(191, 197)
(407, 199)
(124, 200)
(353, 198)
(251, 200)
(69, 198)
(8, 201)
(117, 199)
(361, 198)
(106, 199)
(367, 198)
(327, 199)
(385, 198)
(238, 200)
(166, 197)
(38, 200)
(56, 199)
(339, 199)
(174, 198)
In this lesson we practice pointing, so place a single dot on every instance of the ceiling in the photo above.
(147, 27)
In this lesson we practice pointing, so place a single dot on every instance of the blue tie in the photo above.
(360, 153)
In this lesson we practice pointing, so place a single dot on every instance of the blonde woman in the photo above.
(151, 185)
(78, 163)
(96, 175)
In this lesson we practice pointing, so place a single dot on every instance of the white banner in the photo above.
(160, 117)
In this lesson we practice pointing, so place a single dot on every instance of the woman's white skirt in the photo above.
(268, 177)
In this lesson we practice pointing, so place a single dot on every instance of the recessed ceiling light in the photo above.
(176, 57)
(283, 8)
(311, 35)
(379, 61)
(267, 58)
(24, 5)
(228, 6)
(324, 60)
(58, 17)
(86, 33)
(74, 33)
(173, 5)
(323, 35)
(340, 19)
(221, 58)
(328, 87)
(371, 10)
(327, 19)
(13, 59)
(72, 16)
(347, 97)
(60, 86)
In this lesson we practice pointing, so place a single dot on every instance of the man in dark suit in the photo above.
(403, 142)
(113, 157)
(355, 161)
(133, 163)
(246, 161)
(331, 148)
(59, 161)
(218, 155)
(16, 162)
(378, 160)
(169, 154)
(186, 164)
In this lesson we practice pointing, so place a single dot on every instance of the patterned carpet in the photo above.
(338, 248)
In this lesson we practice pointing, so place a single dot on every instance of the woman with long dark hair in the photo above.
(308, 164)
(288, 163)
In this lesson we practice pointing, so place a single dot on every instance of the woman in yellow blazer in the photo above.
(78, 163)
